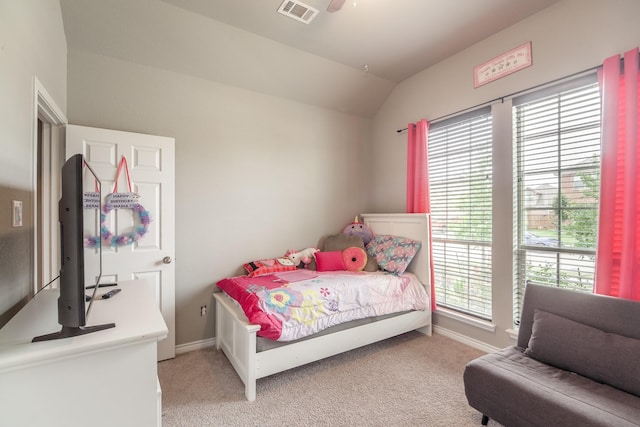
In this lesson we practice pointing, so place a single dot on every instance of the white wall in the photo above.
(567, 38)
(255, 174)
(32, 43)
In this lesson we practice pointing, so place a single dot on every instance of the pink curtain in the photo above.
(418, 199)
(618, 252)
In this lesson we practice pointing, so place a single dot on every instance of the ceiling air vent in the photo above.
(298, 11)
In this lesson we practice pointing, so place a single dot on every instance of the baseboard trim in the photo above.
(464, 339)
(195, 345)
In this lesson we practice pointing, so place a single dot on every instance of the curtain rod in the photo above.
(511, 95)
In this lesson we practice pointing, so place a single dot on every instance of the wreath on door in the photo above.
(122, 200)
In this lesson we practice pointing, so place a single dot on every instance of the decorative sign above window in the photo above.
(502, 65)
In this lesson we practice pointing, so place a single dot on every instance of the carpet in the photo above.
(407, 380)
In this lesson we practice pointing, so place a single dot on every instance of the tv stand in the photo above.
(69, 331)
(71, 380)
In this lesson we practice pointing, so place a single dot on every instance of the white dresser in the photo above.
(106, 378)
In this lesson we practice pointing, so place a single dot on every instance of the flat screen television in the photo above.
(72, 308)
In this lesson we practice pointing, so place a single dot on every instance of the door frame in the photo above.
(48, 146)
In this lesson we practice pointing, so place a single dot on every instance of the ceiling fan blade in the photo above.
(335, 5)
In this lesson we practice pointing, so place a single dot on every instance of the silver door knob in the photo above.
(167, 260)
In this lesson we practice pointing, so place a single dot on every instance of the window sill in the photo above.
(467, 319)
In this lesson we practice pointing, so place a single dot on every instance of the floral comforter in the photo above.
(292, 305)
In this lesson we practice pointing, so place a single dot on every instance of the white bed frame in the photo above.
(237, 337)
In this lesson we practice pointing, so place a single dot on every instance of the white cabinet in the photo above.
(106, 378)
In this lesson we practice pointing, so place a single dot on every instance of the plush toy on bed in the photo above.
(304, 256)
(357, 228)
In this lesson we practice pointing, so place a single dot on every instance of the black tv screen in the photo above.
(71, 303)
(72, 309)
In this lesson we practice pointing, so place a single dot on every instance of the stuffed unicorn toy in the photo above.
(304, 256)
(356, 228)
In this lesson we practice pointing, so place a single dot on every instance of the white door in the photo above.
(151, 164)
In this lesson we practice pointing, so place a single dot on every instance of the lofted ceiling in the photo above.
(394, 38)
(363, 50)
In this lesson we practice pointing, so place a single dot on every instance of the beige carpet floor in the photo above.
(403, 381)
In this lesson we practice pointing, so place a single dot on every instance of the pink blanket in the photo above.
(292, 305)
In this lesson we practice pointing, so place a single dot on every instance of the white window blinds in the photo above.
(460, 176)
(557, 166)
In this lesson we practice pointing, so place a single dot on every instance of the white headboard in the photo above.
(412, 226)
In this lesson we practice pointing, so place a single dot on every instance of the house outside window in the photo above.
(557, 182)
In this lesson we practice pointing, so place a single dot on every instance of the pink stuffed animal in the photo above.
(304, 256)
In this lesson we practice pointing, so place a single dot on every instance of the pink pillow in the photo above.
(329, 261)
(354, 258)
(269, 266)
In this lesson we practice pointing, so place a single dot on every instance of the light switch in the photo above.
(17, 213)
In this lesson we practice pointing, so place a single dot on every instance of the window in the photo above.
(557, 167)
(460, 176)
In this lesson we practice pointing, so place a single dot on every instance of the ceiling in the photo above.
(393, 38)
(347, 61)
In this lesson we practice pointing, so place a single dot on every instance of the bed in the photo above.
(254, 357)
